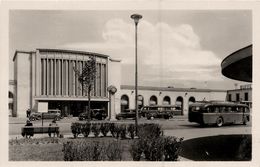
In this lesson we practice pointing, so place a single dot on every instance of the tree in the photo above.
(87, 79)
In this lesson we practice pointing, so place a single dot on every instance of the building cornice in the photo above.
(130, 87)
(21, 51)
(71, 51)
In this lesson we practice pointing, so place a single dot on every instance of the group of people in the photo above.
(29, 123)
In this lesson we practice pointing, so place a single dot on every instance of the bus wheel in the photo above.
(219, 122)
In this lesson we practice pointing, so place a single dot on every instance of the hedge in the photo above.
(82, 150)
(117, 130)
(150, 145)
(161, 148)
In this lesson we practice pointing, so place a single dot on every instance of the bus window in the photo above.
(234, 109)
(222, 109)
(229, 109)
(240, 109)
(216, 110)
(210, 109)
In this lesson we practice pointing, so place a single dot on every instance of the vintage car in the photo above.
(51, 114)
(160, 111)
(99, 114)
(127, 113)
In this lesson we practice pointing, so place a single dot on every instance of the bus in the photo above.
(218, 113)
(160, 111)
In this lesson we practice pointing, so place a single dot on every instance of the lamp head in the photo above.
(136, 18)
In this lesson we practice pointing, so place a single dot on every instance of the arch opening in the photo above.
(179, 103)
(124, 102)
(153, 100)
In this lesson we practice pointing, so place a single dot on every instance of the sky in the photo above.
(178, 48)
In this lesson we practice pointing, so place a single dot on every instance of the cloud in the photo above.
(171, 52)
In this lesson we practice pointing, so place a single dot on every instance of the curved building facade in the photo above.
(238, 65)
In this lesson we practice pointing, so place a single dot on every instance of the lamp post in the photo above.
(136, 18)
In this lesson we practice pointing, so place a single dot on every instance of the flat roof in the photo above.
(71, 51)
(238, 65)
(131, 87)
(61, 51)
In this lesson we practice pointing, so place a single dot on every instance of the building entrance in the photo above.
(74, 108)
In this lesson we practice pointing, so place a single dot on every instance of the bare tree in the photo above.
(87, 79)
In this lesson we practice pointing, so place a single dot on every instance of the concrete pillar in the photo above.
(112, 108)
(51, 77)
(185, 106)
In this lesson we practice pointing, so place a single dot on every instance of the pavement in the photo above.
(178, 127)
(15, 125)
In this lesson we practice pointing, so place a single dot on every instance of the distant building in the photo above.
(167, 96)
(243, 94)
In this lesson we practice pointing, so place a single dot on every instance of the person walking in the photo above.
(54, 124)
(29, 130)
(28, 112)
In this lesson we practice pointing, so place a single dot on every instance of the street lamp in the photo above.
(136, 18)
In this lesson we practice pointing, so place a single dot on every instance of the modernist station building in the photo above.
(45, 79)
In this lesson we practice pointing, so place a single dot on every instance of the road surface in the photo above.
(178, 127)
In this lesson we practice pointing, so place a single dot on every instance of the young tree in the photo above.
(87, 79)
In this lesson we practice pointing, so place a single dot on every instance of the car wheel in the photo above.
(219, 122)
(152, 118)
(32, 119)
(57, 118)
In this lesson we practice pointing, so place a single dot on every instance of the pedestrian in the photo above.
(53, 124)
(28, 123)
(29, 132)
(28, 112)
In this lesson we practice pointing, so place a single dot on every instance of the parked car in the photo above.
(160, 111)
(99, 114)
(127, 113)
(51, 114)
